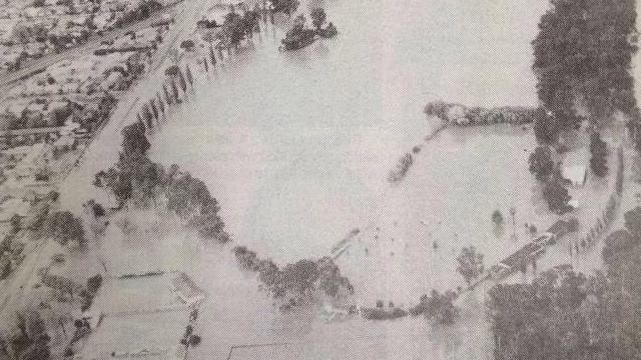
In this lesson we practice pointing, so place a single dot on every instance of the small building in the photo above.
(577, 175)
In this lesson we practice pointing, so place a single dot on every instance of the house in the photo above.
(576, 174)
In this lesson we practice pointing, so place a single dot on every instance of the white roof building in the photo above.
(576, 174)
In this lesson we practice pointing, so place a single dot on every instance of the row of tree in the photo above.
(566, 315)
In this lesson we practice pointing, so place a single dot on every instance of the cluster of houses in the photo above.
(49, 117)
(113, 67)
(29, 156)
(31, 29)
(57, 110)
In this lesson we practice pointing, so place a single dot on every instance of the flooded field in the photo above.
(297, 163)
(297, 147)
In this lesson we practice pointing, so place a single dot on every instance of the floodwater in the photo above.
(297, 146)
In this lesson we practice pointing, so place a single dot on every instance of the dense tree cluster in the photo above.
(300, 35)
(438, 307)
(582, 56)
(545, 127)
(30, 341)
(470, 264)
(599, 155)
(544, 169)
(297, 283)
(566, 315)
(285, 6)
(461, 115)
(556, 195)
(63, 227)
(237, 27)
(137, 180)
(541, 163)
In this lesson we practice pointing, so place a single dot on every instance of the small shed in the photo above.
(576, 174)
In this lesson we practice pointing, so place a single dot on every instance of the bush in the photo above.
(187, 45)
(172, 70)
(497, 217)
(402, 167)
(194, 340)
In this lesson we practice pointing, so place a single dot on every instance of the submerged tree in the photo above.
(557, 196)
(318, 17)
(541, 163)
(285, 6)
(470, 264)
(599, 152)
(437, 306)
(234, 28)
(497, 217)
(63, 226)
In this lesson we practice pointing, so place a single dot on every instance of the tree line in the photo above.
(297, 283)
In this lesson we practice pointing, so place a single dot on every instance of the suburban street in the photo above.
(7, 78)
(12, 288)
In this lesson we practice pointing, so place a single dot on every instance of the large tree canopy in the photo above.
(582, 55)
